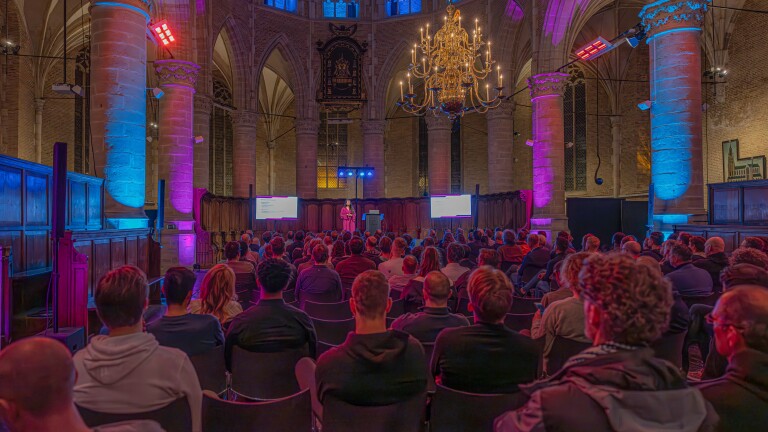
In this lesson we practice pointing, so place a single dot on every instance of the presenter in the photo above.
(348, 217)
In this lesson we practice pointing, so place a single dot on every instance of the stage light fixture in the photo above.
(341, 174)
(163, 33)
(594, 49)
(645, 105)
(199, 139)
(157, 92)
(529, 143)
(350, 173)
(361, 173)
(370, 173)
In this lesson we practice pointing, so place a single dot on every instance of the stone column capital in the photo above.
(177, 73)
(306, 126)
(244, 118)
(505, 111)
(39, 104)
(664, 16)
(141, 7)
(548, 84)
(373, 127)
(203, 103)
(435, 123)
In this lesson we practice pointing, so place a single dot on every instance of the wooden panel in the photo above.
(118, 252)
(755, 206)
(100, 260)
(725, 207)
(131, 244)
(10, 197)
(78, 205)
(36, 250)
(86, 248)
(94, 205)
(36, 208)
(143, 254)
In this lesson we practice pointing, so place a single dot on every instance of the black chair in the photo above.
(429, 347)
(261, 376)
(457, 411)
(246, 289)
(326, 297)
(397, 309)
(519, 322)
(529, 273)
(289, 414)
(322, 347)
(289, 296)
(562, 350)
(328, 311)
(522, 305)
(670, 348)
(174, 417)
(709, 300)
(406, 416)
(463, 307)
(333, 332)
(211, 370)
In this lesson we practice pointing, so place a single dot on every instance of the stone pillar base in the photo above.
(551, 225)
(178, 249)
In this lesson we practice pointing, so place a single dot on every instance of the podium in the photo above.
(372, 220)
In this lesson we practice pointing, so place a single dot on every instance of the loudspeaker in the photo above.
(72, 337)
(160, 224)
(59, 191)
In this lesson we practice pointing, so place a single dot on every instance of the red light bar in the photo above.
(163, 33)
(594, 49)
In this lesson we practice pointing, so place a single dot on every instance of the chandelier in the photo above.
(454, 71)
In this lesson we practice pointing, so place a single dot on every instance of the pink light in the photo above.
(163, 33)
(594, 49)
(186, 250)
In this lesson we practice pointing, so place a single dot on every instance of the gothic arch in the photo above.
(391, 66)
(298, 81)
(237, 55)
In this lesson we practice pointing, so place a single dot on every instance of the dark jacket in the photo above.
(536, 260)
(691, 281)
(741, 396)
(653, 254)
(714, 264)
(604, 389)
(426, 325)
(552, 263)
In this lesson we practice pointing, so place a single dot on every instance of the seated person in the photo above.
(511, 253)
(193, 334)
(453, 269)
(217, 295)
(618, 384)
(244, 253)
(233, 255)
(36, 380)
(740, 319)
(128, 371)
(535, 261)
(319, 280)
(398, 282)
(486, 357)
(688, 279)
(714, 262)
(412, 293)
(374, 366)
(632, 248)
(540, 284)
(372, 251)
(355, 263)
(652, 246)
(271, 325)
(435, 316)
(393, 266)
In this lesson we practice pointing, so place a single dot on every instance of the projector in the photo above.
(68, 89)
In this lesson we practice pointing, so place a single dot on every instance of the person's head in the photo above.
(592, 244)
(749, 256)
(217, 290)
(347, 203)
(533, 241)
(399, 245)
(337, 251)
(489, 257)
(743, 274)
(289, 235)
(177, 285)
(299, 236)
(385, 245)
(509, 237)
(266, 236)
(243, 248)
(561, 245)
(371, 243)
(273, 275)
(697, 244)
(246, 238)
(740, 320)
(685, 238)
(753, 243)
(255, 245)
(490, 294)
(121, 297)
(498, 237)
(410, 265)
(430, 261)
(37, 377)
(455, 253)
(679, 254)
(278, 246)
(654, 240)
(632, 247)
(714, 245)
(569, 271)
(437, 289)
(320, 254)
(232, 251)
(356, 246)
(624, 302)
(429, 241)
(370, 296)
(616, 240)
(651, 263)
(268, 251)
(566, 235)
(448, 238)
(327, 240)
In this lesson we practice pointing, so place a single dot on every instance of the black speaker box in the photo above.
(72, 337)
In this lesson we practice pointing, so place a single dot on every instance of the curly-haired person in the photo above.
(617, 384)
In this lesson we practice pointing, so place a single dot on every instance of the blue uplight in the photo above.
(350, 173)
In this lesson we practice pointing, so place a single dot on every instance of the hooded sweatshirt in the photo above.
(606, 388)
(373, 369)
(132, 374)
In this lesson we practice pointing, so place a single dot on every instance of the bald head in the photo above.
(437, 288)
(37, 375)
(714, 245)
(746, 307)
(631, 247)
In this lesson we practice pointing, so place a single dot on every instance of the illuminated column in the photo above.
(203, 108)
(244, 152)
(439, 155)
(548, 154)
(119, 99)
(306, 157)
(674, 36)
(373, 156)
(176, 155)
(500, 136)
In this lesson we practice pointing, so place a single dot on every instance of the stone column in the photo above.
(244, 152)
(373, 156)
(306, 157)
(500, 159)
(39, 104)
(271, 146)
(616, 144)
(548, 155)
(203, 109)
(175, 162)
(119, 99)
(674, 36)
(439, 155)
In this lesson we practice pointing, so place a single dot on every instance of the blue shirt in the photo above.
(319, 279)
(191, 333)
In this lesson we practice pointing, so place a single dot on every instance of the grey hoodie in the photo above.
(133, 373)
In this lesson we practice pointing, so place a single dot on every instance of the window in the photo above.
(403, 7)
(286, 5)
(341, 9)
(82, 112)
(575, 119)
(221, 141)
(331, 150)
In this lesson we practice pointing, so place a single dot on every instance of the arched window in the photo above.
(83, 112)
(341, 8)
(286, 5)
(221, 140)
(332, 150)
(403, 7)
(575, 120)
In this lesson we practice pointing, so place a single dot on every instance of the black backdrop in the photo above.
(605, 216)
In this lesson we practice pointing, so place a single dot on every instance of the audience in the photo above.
(488, 257)
(217, 295)
(394, 265)
(535, 261)
(374, 366)
(319, 282)
(652, 246)
(753, 243)
(435, 316)
(232, 252)
(745, 255)
(592, 244)
(486, 357)
(539, 285)
(412, 293)
(687, 279)
(697, 245)
(193, 334)
(714, 262)
(453, 269)
(128, 371)
(511, 252)
(397, 283)
(632, 248)
(371, 250)
(271, 325)
(617, 384)
(355, 264)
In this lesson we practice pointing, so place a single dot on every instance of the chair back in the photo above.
(288, 414)
(211, 369)
(407, 416)
(258, 375)
(462, 307)
(324, 297)
(305, 375)
(670, 348)
(562, 350)
(398, 308)
(174, 417)
(328, 311)
(457, 411)
(333, 332)
(322, 347)
(289, 296)
(246, 289)
(522, 305)
(709, 300)
(518, 322)
(429, 347)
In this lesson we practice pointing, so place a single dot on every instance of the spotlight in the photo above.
(157, 92)
(163, 33)
(638, 34)
(645, 105)
(594, 49)
(10, 48)
(599, 181)
(341, 174)
(199, 139)
(361, 173)
(529, 143)
(68, 89)
(350, 173)
(370, 173)
(516, 133)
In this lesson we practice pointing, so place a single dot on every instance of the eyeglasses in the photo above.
(714, 321)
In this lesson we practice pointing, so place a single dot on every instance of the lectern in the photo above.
(373, 220)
